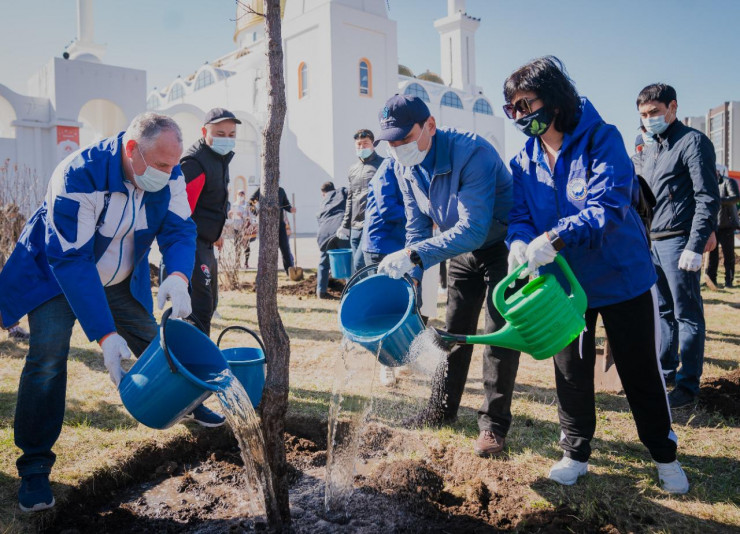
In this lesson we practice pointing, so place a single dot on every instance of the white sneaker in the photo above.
(567, 471)
(387, 376)
(672, 478)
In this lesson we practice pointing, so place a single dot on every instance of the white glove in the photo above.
(689, 260)
(517, 256)
(342, 233)
(397, 264)
(115, 349)
(540, 252)
(175, 288)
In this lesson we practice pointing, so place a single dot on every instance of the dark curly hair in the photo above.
(548, 79)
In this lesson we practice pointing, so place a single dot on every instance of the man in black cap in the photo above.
(457, 181)
(205, 166)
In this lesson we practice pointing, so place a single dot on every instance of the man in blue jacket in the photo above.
(385, 216)
(680, 170)
(458, 181)
(83, 256)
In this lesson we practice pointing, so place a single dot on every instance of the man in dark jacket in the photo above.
(680, 170)
(329, 217)
(727, 223)
(283, 241)
(360, 175)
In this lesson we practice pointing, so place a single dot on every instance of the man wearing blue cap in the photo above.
(457, 181)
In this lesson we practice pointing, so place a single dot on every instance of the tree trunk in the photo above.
(275, 397)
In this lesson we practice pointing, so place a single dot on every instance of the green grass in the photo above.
(99, 436)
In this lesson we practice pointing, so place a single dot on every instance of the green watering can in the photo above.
(541, 319)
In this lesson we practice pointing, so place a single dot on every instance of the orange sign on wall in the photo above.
(68, 140)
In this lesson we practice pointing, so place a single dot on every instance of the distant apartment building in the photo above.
(722, 125)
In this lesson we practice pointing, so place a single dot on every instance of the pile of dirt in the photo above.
(722, 394)
(198, 486)
(307, 288)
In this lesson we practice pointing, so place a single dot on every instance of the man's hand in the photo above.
(397, 264)
(711, 243)
(540, 252)
(175, 288)
(115, 349)
(293, 210)
(689, 260)
(342, 233)
(219, 243)
(517, 257)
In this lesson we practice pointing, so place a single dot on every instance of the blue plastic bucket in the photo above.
(247, 364)
(380, 309)
(175, 374)
(340, 261)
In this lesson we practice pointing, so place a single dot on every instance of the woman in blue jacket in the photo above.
(574, 193)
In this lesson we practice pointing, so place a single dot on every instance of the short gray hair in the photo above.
(146, 127)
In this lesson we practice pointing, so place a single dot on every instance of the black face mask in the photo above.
(535, 124)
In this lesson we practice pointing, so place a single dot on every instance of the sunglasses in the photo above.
(363, 134)
(523, 106)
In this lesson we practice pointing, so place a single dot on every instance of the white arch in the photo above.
(100, 118)
(7, 116)
(191, 126)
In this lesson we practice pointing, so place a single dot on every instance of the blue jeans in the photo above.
(682, 326)
(39, 412)
(322, 275)
(355, 239)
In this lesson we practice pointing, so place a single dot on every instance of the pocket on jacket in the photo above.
(65, 218)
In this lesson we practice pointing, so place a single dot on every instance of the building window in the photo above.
(204, 79)
(366, 78)
(177, 91)
(302, 80)
(152, 102)
(482, 106)
(451, 100)
(717, 136)
(414, 89)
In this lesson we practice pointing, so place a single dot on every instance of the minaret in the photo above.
(457, 35)
(83, 47)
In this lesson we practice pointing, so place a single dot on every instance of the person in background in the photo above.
(283, 241)
(329, 217)
(680, 170)
(727, 223)
(457, 181)
(360, 175)
(575, 193)
(83, 256)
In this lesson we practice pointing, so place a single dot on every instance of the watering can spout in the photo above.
(507, 338)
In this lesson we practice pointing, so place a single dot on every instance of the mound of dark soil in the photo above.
(307, 288)
(722, 394)
(407, 479)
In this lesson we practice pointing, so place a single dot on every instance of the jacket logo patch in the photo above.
(577, 189)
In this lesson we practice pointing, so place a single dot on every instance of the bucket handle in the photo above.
(576, 291)
(163, 339)
(243, 329)
(370, 270)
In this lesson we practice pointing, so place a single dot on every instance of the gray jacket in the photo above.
(680, 171)
(360, 175)
(729, 196)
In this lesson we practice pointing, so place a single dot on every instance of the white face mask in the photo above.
(223, 145)
(409, 154)
(153, 179)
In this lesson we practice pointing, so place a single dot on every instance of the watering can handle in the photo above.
(373, 269)
(243, 329)
(163, 339)
(576, 291)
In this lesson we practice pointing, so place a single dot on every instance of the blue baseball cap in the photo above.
(399, 115)
(220, 114)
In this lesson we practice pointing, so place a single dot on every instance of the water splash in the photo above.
(246, 427)
(426, 354)
(351, 404)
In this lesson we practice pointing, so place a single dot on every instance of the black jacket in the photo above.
(283, 202)
(330, 216)
(729, 197)
(360, 175)
(680, 170)
(207, 178)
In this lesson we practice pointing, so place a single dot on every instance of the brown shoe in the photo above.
(489, 444)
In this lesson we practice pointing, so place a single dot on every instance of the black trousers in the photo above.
(631, 327)
(284, 244)
(471, 278)
(726, 240)
(204, 284)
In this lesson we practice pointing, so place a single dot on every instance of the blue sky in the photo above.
(612, 48)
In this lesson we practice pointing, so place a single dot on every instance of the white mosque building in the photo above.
(341, 64)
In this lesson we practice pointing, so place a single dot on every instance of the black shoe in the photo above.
(680, 398)
(35, 494)
(728, 283)
(322, 296)
(429, 417)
